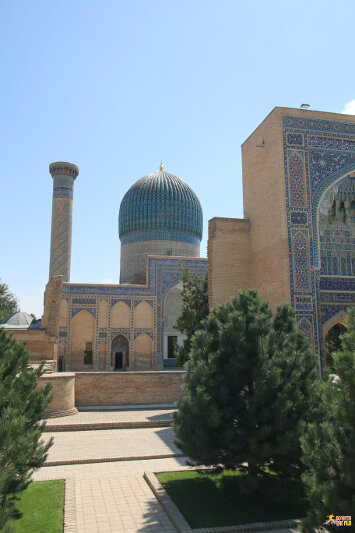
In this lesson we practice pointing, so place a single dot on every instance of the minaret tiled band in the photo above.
(63, 175)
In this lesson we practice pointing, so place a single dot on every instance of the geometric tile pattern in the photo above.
(160, 206)
(318, 154)
(163, 274)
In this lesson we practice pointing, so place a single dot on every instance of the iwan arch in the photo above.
(296, 242)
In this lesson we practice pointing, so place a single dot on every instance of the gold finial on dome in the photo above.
(161, 166)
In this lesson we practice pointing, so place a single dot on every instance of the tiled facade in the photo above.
(299, 202)
(319, 159)
(163, 275)
(160, 227)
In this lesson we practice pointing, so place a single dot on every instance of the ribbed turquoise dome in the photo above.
(160, 206)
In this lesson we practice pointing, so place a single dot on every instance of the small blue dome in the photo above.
(160, 206)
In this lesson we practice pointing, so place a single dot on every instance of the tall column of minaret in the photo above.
(63, 175)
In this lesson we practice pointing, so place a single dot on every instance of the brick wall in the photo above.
(128, 388)
(38, 344)
(264, 200)
(228, 258)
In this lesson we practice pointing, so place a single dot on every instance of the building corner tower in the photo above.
(63, 175)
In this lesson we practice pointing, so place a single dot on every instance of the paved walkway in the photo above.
(112, 496)
(87, 446)
(100, 419)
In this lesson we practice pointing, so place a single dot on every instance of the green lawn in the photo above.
(217, 500)
(42, 507)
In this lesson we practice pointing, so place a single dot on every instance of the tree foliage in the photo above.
(194, 310)
(21, 409)
(333, 343)
(250, 388)
(329, 447)
(8, 302)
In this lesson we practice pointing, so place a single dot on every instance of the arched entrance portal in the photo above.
(333, 343)
(171, 311)
(120, 353)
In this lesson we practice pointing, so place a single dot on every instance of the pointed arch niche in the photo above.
(336, 229)
(120, 315)
(120, 353)
(143, 315)
(172, 307)
(82, 341)
(143, 352)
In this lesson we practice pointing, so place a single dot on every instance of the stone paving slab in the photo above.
(124, 504)
(111, 444)
(86, 420)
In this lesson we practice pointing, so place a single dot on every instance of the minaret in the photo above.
(63, 175)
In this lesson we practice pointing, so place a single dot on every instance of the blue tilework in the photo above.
(63, 187)
(159, 235)
(163, 274)
(337, 284)
(315, 124)
(305, 324)
(327, 311)
(317, 153)
(298, 217)
(124, 300)
(337, 297)
(83, 300)
(160, 202)
(90, 310)
(144, 332)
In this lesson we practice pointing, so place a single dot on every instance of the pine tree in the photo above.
(194, 310)
(250, 387)
(8, 302)
(329, 447)
(21, 408)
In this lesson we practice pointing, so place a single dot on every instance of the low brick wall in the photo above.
(128, 388)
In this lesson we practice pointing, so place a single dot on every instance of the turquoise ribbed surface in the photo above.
(160, 203)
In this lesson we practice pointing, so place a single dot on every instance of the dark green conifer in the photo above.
(194, 310)
(21, 409)
(251, 385)
(329, 447)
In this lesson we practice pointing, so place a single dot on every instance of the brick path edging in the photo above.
(108, 425)
(70, 525)
(63, 462)
(183, 527)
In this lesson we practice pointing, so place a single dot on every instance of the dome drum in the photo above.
(134, 256)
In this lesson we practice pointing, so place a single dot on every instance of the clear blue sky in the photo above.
(115, 86)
